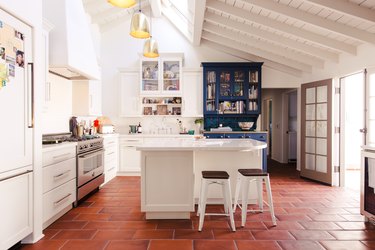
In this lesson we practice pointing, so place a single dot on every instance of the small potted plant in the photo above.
(199, 125)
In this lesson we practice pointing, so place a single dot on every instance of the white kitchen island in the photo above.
(171, 171)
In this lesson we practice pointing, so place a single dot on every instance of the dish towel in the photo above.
(371, 173)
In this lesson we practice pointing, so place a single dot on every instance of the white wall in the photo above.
(31, 13)
(58, 110)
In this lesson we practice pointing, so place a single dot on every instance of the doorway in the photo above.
(292, 126)
(267, 124)
(352, 120)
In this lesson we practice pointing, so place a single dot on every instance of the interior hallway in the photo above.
(310, 216)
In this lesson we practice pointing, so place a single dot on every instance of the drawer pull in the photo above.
(111, 142)
(59, 156)
(62, 200)
(110, 169)
(61, 175)
(111, 153)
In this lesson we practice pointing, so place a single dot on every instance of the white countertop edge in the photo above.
(156, 136)
(109, 135)
(203, 145)
(370, 147)
(57, 146)
(243, 149)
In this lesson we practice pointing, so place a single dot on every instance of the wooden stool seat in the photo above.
(252, 172)
(215, 175)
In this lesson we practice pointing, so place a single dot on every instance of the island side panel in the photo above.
(167, 184)
(229, 161)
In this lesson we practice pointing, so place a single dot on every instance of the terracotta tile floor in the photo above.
(310, 216)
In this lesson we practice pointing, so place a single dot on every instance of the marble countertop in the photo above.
(236, 132)
(51, 147)
(369, 147)
(192, 144)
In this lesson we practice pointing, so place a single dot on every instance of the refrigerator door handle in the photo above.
(15, 175)
(30, 95)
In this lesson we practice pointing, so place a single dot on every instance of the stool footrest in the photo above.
(217, 214)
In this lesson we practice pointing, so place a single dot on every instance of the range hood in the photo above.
(71, 49)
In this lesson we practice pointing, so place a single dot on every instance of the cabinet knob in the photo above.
(228, 136)
(221, 136)
(242, 136)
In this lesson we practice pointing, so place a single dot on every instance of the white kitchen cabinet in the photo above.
(47, 26)
(111, 156)
(130, 102)
(16, 209)
(161, 76)
(87, 98)
(57, 199)
(59, 180)
(192, 93)
(130, 158)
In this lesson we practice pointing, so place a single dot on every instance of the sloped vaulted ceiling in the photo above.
(292, 36)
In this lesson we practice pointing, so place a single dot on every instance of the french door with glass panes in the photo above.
(316, 131)
(370, 106)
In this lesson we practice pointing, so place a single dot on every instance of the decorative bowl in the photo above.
(245, 125)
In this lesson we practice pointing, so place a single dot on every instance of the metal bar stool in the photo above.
(244, 177)
(220, 178)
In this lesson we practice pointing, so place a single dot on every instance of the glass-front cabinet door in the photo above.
(253, 92)
(171, 76)
(210, 92)
(161, 76)
(150, 77)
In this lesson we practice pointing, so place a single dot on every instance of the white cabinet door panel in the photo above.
(129, 94)
(16, 209)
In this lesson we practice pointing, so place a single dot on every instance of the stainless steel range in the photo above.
(90, 167)
(90, 158)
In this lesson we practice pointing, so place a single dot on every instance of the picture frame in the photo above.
(161, 109)
(176, 110)
(147, 110)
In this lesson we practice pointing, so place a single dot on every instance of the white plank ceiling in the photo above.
(293, 36)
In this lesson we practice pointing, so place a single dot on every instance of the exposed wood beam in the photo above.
(115, 13)
(199, 10)
(269, 47)
(100, 17)
(315, 20)
(110, 25)
(252, 58)
(314, 51)
(300, 33)
(255, 51)
(155, 7)
(176, 20)
(347, 8)
(94, 7)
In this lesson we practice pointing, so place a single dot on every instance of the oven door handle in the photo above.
(89, 154)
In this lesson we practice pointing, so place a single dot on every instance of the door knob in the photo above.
(363, 130)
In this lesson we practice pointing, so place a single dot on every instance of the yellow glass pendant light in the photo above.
(122, 3)
(150, 48)
(139, 27)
